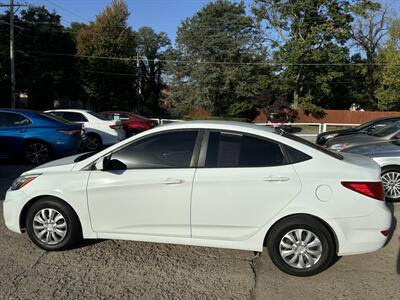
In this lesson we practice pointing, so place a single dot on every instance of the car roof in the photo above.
(69, 109)
(214, 124)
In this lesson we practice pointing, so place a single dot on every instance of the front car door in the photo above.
(243, 183)
(146, 186)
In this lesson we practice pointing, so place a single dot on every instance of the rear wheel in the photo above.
(93, 142)
(37, 152)
(301, 246)
(391, 183)
(52, 225)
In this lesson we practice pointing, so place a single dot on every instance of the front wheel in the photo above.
(52, 225)
(301, 246)
(391, 183)
(93, 142)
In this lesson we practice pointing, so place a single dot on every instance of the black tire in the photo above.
(386, 171)
(93, 142)
(37, 152)
(73, 228)
(328, 250)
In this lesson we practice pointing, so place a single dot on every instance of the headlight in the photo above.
(338, 147)
(331, 136)
(22, 181)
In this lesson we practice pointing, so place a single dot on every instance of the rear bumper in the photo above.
(358, 235)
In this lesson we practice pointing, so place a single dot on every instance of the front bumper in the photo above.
(12, 207)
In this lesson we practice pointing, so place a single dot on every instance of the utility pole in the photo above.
(11, 7)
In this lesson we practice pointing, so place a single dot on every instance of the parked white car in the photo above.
(216, 184)
(99, 131)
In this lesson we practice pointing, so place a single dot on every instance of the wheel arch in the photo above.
(24, 211)
(324, 223)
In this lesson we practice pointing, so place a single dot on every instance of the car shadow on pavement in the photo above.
(87, 243)
(392, 231)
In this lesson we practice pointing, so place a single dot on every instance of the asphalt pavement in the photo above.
(106, 269)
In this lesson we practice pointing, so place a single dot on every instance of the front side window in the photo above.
(12, 120)
(165, 150)
(227, 150)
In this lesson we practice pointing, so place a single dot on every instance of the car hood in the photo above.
(354, 139)
(377, 149)
(341, 132)
(59, 165)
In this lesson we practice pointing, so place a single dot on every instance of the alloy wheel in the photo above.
(37, 153)
(92, 143)
(49, 226)
(300, 248)
(391, 184)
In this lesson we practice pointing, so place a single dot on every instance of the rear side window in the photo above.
(295, 156)
(165, 150)
(74, 117)
(227, 150)
(12, 120)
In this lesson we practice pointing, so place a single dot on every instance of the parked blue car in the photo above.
(37, 137)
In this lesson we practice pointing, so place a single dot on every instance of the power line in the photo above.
(270, 63)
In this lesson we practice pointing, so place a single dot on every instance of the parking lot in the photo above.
(108, 269)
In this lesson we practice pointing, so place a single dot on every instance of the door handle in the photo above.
(276, 179)
(170, 181)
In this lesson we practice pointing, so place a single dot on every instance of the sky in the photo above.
(161, 15)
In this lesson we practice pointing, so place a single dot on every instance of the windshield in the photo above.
(385, 131)
(97, 115)
(309, 144)
(84, 156)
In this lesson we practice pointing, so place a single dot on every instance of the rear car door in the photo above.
(242, 182)
(13, 128)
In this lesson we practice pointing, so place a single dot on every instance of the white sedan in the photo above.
(98, 130)
(216, 184)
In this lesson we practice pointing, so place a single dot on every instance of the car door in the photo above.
(13, 128)
(146, 187)
(243, 183)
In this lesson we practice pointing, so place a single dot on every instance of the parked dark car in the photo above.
(37, 137)
(365, 128)
(132, 123)
(383, 134)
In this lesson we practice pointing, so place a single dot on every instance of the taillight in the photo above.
(371, 189)
(115, 126)
(385, 232)
(70, 131)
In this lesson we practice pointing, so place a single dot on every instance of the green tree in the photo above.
(152, 47)
(107, 48)
(219, 62)
(389, 89)
(40, 73)
(310, 43)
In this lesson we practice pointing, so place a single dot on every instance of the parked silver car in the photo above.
(385, 134)
(387, 155)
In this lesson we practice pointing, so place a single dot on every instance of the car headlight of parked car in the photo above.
(22, 181)
(338, 147)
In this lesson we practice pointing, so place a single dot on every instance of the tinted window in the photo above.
(12, 120)
(97, 115)
(235, 150)
(74, 117)
(295, 156)
(387, 130)
(166, 150)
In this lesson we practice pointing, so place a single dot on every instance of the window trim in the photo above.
(206, 137)
(193, 161)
